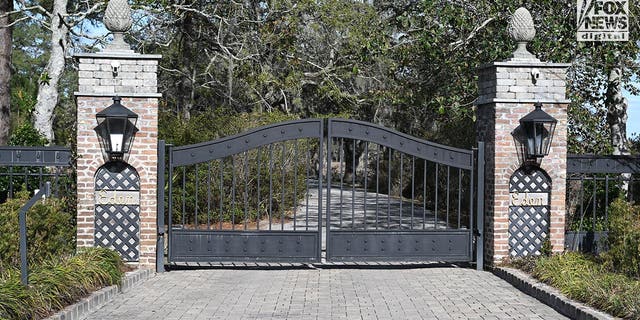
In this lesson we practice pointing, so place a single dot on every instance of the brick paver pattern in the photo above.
(337, 293)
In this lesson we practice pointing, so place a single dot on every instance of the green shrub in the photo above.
(50, 231)
(586, 279)
(623, 240)
(57, 282)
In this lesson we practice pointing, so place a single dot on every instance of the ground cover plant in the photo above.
(50, 230)
(57, 276)
(57, 282)
(609, 282)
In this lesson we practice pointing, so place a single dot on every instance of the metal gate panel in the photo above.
(428, 218)
(212, 187)
(451, 246)
(247, 197)
(274, 246)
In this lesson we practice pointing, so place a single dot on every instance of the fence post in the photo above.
(44, 191)
(480, 208)
(160, 207)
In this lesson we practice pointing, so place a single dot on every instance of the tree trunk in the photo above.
(617, 119)
(48, 86)
(617, 113)
(5, 71)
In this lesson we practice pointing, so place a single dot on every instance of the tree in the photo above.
(64, 29)
(6, 6)
(48, 86)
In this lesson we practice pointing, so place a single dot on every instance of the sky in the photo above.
(633, 112)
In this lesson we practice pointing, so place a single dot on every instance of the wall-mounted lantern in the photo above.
(116, 129)
(534, 135)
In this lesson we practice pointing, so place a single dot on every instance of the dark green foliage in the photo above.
(546, 249)
(50, 230)
(26, 135)
(584, 278)
(584, 196)
(57, 282)
(623, 255)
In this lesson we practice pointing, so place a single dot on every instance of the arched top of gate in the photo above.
(117, 175)
(423, 149)
(227, 146)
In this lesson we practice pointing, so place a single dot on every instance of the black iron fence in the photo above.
(40, 171)
(593, 183)
(28, 168)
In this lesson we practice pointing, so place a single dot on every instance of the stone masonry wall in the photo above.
(136, 83)
(507, 93)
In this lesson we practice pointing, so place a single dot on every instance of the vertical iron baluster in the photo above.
(353, 185)
(594, 203)
(581, 201)
(26, 177)
(413, 197)
(307, 184)
(233, 193)
(259, 210)
(39, 177)
(424, 194)
(282, 206)
(400, 188)
(184, 195)
(209, 182)
(366, 178)
(295, 182)
(342, 171)
(10, 182)
(435, 211)
(221, 191)
(196, 200)
(377, 180)
(170, 202)
(56, 182)
(448, 189)
(389, 190)
(606, 200)
(270, 183)
(246, 187)
(459, 195)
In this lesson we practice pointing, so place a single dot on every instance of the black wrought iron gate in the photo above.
(261, 196)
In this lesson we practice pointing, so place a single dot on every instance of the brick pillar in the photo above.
(507, 92)
(133, 77)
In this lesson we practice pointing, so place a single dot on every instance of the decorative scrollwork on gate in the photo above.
(529, 210)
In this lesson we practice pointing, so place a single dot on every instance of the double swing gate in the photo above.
(304, 190)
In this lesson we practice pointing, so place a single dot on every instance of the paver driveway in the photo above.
(417, 292)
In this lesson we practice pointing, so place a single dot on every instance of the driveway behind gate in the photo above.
(442, 292)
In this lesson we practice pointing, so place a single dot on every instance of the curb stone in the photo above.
(550, 296)
(99, 298)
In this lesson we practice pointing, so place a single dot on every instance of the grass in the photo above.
(56, 283)
(586, 279)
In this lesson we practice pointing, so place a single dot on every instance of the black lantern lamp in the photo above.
(535, 133)
(116, 129)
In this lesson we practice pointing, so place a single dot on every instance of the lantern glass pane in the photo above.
(101, 130)
(117, 128)
(130, 132)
